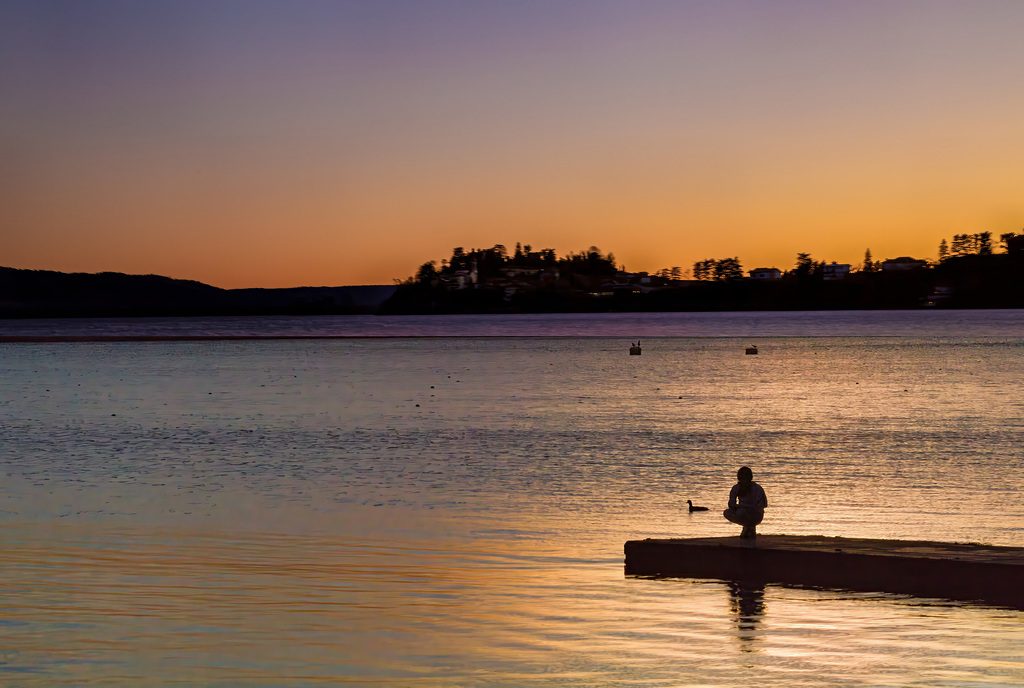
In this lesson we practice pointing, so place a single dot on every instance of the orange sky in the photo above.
(280, 144)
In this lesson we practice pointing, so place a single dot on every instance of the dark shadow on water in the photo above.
(747, 603)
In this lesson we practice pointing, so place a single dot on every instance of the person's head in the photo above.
(744, 474)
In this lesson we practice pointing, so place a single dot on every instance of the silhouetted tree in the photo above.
(943, 250)
(721, 270)
(589, 262)
(705, 269)
(1012, 242)
(869, 265)
(978, 244)
(983, 243)
(960, 245)
(728, 269)
(458, 261)
(804, 265)
(427, 272)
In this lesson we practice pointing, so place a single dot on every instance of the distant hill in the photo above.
(311, 300)
(46, 293)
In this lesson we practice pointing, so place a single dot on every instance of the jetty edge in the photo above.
(988, 574)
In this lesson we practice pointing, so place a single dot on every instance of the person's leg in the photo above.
(752, 521)
(744, 517)
(739, 518)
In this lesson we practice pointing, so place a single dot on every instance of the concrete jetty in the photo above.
(971, 572)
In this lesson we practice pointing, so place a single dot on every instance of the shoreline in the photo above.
(60, 338)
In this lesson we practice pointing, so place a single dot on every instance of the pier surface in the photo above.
(982, 573)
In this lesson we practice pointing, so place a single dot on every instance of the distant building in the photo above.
(460, 279)
(903, 263)
(517, 271)
(620, 288)
(938, 295)
(835, 271)
(463, 279)
(766, 274)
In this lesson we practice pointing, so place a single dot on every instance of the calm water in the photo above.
(918, 323)
(451, 510)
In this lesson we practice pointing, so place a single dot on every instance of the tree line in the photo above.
(488, 262)
(962, 245)
(971, 271)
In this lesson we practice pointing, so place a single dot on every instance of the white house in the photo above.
(766, 274)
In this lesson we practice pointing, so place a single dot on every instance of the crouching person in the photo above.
(747, 502)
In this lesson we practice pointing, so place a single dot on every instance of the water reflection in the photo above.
(300, 513)
(747, 604)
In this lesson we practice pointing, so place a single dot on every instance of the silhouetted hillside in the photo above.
(50, 294)
(310, 300)
(527, 281)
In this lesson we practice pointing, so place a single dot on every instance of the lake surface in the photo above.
(450, 509)
(916, 323)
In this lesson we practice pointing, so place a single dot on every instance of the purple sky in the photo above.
(258, 143)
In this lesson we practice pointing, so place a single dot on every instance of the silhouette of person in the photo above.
(747, 502)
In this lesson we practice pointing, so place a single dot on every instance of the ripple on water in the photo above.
(282, 513)
(182, 602)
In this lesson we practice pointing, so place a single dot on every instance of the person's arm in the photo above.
(733, 497)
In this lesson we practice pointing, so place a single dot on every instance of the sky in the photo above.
(283, 143)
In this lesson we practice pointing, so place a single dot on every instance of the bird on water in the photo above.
(695, 508)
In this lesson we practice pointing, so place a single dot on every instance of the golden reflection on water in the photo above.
(132, 606)
(308, 523)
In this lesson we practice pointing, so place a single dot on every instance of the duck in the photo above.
(695, 508)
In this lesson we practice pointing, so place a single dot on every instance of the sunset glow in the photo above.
(278, 144)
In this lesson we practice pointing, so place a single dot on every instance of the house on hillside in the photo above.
(835, 271)
(766, 274)
(902, 264)
(461, 279)
(518, 271)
